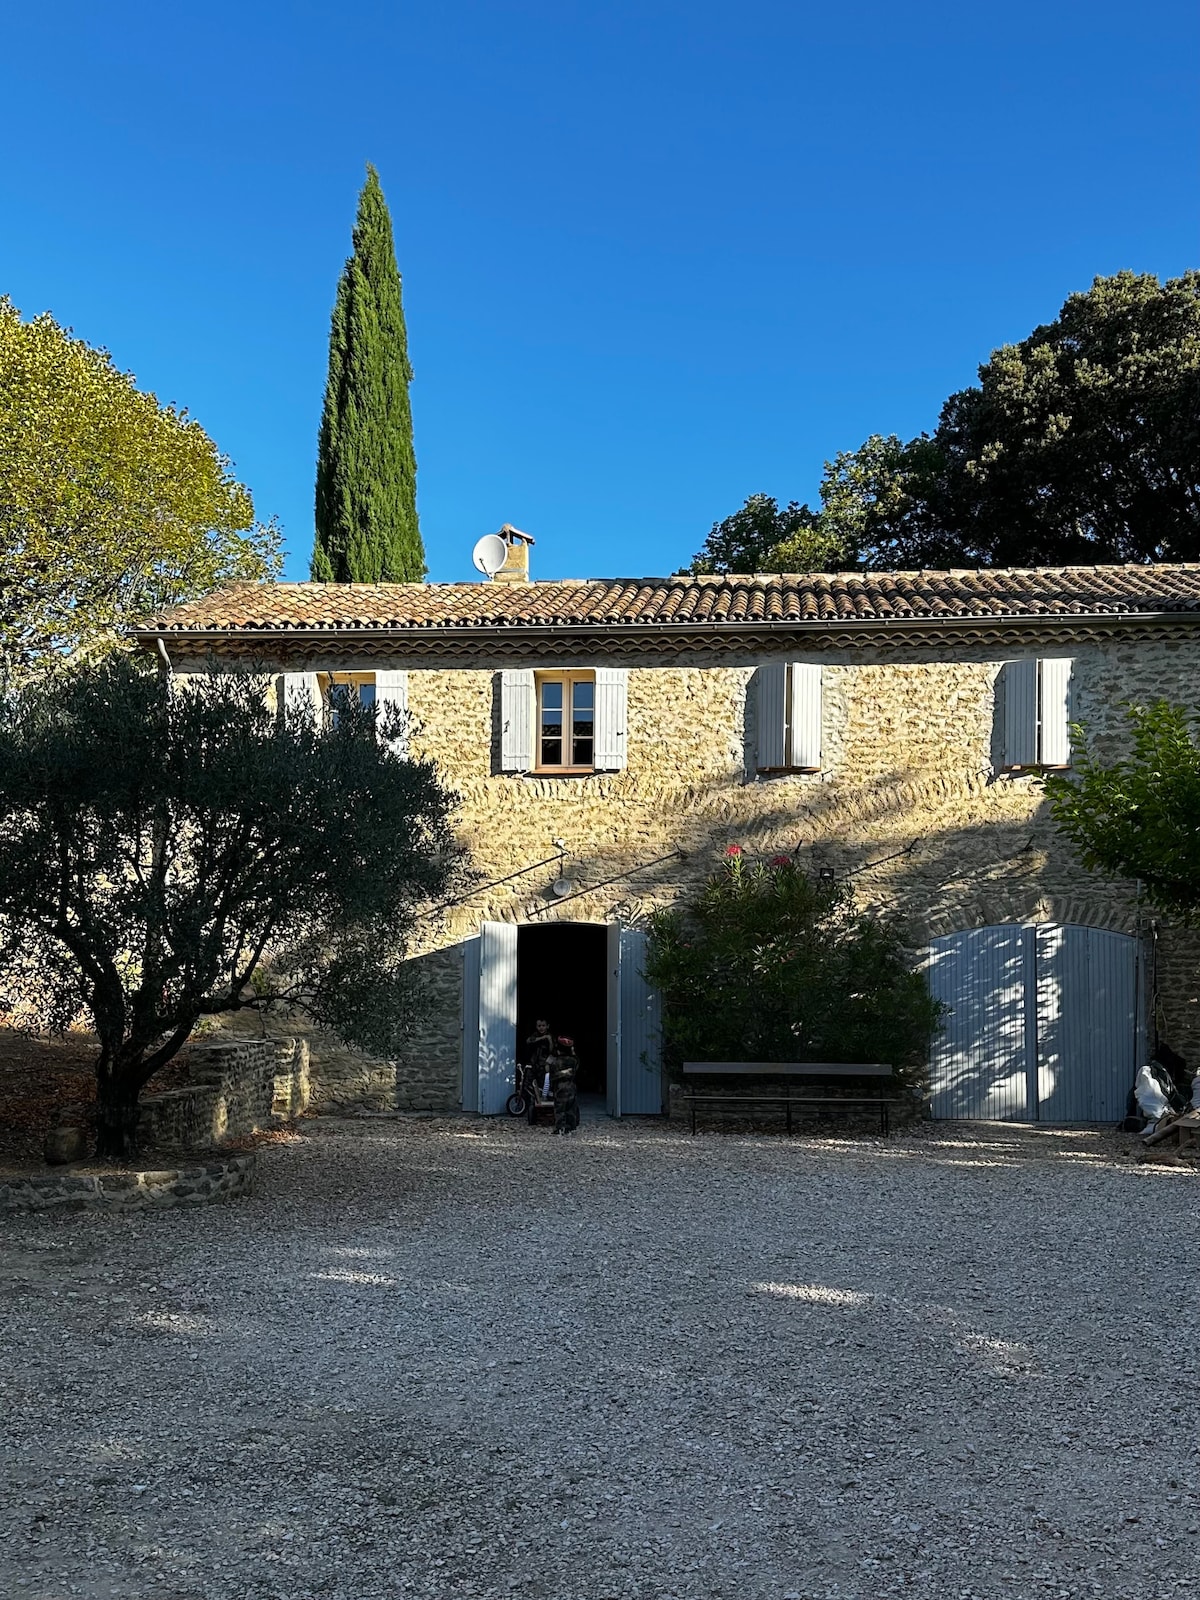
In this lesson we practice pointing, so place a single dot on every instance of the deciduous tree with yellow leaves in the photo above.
(111, 504)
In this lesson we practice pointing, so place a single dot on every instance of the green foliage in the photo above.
(762, 538)
(769, 964)
(869, 493)
(111, 505)
(1137, 818)
(172, 849)
(1080, 444)
(366, 502)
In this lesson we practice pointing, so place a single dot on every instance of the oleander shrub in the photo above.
(770, 964)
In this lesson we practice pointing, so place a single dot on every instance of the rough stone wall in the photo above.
(424, 1077)
(129, 1191)
(237, 1086)
(908, 801)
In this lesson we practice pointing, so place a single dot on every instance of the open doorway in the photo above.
(562, 977)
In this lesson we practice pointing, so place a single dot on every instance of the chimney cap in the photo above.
(509, 533)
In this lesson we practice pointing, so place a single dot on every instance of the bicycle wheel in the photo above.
(515, 1105)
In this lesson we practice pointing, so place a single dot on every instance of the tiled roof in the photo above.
(696, 602)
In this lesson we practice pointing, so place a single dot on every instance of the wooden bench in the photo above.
(790, 1072)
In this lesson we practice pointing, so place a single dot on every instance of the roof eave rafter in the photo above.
(629, 631)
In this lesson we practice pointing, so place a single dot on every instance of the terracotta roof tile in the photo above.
(704, 602)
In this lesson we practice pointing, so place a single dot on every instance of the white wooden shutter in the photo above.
(805, 715)
(299, 691)
(771, 681)
(1019, 687)
(391, 692)
(1055, 711)
(612, 700)
(497, 1015)
(518, 714)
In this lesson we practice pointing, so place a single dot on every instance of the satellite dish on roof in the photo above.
(490, 554)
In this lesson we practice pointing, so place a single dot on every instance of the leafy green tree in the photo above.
(761, 537)
(768, 964)
(366, 504)
(111, 505)
(1080, 444)
(173, 849)
(868, 494)
(1137, 817)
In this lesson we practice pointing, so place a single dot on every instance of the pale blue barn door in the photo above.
(470, 1025)
(640, 1023)
(1041, 1026)
(1087, 1023)
(980, 1062)
(612, 1066)
(634, 1075)
(497, 1015)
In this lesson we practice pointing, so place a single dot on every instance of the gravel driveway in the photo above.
(470, 1359)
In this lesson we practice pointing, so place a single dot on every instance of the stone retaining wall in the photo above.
(219, 1179)
(237, 1087)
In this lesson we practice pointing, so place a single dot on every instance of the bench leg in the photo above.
(883, 1120)
(693, 1119)
(789, 1116)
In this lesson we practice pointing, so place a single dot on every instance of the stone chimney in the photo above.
(516, 566)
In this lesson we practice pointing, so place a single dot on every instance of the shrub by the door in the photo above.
(769, 964)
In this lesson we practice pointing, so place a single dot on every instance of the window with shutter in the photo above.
(566, 722)
(1036, 712)
(1054, 712)
(789, 716)
(299, 692)
(391, 697)
(612, 704)
(1019, 719)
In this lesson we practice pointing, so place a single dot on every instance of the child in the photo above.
(563, 1069)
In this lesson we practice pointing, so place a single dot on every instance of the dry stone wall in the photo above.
(236, 1087)
(216, 1180)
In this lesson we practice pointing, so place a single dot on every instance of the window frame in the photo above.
(333, 681)
(568, 677)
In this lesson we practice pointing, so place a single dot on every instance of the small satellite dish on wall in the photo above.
(490, 554)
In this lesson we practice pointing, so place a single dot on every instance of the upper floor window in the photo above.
(562, 721)
(1033, 706)
(347, 686)
(789, 716)
(566, 711)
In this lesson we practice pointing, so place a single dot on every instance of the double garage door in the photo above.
(1041, 1026)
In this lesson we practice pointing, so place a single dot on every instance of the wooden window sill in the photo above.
(562, 772)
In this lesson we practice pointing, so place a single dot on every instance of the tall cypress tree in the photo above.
(366, 511)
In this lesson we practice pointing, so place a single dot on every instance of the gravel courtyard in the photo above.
(450, 1358)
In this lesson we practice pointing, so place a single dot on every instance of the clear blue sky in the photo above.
(657, 254)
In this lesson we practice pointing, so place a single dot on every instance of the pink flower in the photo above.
(781, 861)
(733, 850)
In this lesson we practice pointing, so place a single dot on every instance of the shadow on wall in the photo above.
(900, 839)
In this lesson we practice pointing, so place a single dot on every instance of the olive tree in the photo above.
(174, 849)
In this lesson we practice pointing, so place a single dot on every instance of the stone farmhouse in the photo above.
(610, 738)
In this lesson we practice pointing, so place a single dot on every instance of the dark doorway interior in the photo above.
(562, 976)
